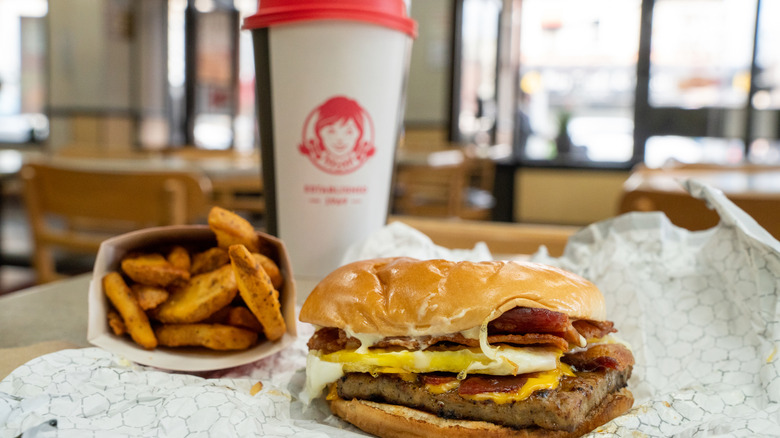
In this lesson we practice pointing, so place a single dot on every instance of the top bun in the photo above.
(409, 297)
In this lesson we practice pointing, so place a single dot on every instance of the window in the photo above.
(23, 71)
(474, 110)
(594, 88)
(709, 79)
(211, 74)
(577, 64)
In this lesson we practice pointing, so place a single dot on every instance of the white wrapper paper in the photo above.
(700, 310)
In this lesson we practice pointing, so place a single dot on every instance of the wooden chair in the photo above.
(440, 185)
(753, 188)
(73, 208)
(503, 239)
(238, 190)
(423, 190)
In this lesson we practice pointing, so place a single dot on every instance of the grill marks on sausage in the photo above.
(518, 326)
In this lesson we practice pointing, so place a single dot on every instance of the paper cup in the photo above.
(330, 82)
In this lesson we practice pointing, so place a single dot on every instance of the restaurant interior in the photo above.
(592, 189)
(525, 120)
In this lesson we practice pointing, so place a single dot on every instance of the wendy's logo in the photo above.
(338, 136)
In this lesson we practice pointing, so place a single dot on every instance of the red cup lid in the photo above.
(387, 13)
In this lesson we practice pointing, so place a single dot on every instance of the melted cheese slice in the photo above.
(536, 382)
(441, 388)
(322, 369)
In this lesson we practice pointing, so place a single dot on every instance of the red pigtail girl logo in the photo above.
(338, 136)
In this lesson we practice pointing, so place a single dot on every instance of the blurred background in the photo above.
(703, 74)
(529, 111)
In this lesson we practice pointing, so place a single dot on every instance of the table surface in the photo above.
(217, 168)
(54, 311)
(745, 182)
(58, 311)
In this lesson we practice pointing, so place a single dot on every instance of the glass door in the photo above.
(576, 82)
(212, 74)
(765, 92)
(474, 102)
(23, 76)
(704, 65)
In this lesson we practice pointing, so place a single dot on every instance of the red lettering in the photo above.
(335, 201)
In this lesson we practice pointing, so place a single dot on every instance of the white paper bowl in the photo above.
(179, 359)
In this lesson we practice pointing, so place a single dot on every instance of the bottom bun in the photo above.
(393, 421)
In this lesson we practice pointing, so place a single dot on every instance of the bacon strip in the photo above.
(529, 320)
(328, 340)
(535, 320)
(436, 379)
(601, 356)
(594, 329)
(529, 339)
(518, 326)
(479, 384)
(524, 339)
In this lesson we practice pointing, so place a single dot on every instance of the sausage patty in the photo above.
(561, 409)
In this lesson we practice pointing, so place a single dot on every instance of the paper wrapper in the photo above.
(700, 310)
(192, 237)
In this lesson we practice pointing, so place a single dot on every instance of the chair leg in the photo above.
(43, 262)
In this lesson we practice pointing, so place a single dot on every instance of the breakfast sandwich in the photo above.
(407, 347)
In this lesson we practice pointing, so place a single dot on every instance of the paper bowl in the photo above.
(192, 359)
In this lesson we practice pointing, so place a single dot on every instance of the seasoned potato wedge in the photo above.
(209, 260)
(200, 298)
(179, 257)
(123, 299)
(213, 336)
(270, 267)
(232, 229)
(116, 323)
(258, 292)
(219, 317)
(149, 297)
(153, 270)
(239, 316)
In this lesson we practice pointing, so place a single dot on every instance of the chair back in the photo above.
(502, 238)
(73, 207)
(442, 185)
(753, 188)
